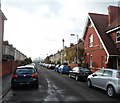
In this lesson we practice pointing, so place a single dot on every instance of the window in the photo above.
(99, 72)
(90, 60)
(107, 73)
(101, 46)
(91, 41)
(118, 36)
(102, 61)
(118, 74)
(25, 71)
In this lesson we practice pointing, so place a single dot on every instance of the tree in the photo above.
(27, 61)
(80, 55)
(71, 53)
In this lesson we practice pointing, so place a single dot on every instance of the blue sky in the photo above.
(37, 27)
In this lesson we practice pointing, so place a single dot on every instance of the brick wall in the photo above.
(9, 67)
(97, 51)
(113, 35)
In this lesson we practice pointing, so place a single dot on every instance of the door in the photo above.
(105, 78)
(96, 78)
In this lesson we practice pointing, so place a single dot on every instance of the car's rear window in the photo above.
(25, 71)
(118, 75)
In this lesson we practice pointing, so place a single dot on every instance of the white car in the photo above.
(106, 79)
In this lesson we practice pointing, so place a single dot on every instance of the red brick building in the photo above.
(102, 39)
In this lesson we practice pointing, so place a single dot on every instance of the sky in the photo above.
(37, 27)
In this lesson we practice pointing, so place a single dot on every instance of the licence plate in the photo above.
(24, 83)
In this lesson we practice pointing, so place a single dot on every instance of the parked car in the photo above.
(51, 66)
(64, 69)
(56, 67)
(24, 76)
(79, 73)
(32, 66)
(106, 79)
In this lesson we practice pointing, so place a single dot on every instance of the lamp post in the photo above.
(63, 43)
(77, 47)
(62, 51)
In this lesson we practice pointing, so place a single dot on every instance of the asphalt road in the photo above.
(57, 87)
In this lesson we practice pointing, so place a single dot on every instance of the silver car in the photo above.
(106, 79)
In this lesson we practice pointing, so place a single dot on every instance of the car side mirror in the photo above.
(94, 75)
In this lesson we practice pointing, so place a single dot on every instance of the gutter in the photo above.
(113, 29)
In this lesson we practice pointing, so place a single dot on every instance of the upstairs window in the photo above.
(90, 61)
(91, 41)
(102, 62)
(118, 36)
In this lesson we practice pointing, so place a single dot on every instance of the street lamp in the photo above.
(63, 43)
(62, 51)
(77, 47)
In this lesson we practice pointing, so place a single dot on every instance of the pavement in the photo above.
(4, 85)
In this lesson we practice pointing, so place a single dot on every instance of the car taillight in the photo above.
(34, 75)
(14, 76)
(84, 74)
(79, 72)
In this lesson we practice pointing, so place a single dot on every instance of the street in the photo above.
(54, 86)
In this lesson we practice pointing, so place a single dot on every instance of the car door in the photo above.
(105, 78)
(71, 71)
(74, 71)
(96, 77)
(77, 70)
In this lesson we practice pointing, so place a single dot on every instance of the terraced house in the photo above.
(102, 39)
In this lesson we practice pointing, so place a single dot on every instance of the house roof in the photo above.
(100, 22)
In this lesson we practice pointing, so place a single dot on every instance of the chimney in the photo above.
(113, 12)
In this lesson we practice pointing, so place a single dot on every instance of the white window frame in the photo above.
(90, 61)
(91, 40)
(117, 36)
(102, 61)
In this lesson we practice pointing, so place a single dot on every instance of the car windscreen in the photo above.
(84, 69)
(24, 71)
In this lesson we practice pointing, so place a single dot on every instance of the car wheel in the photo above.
(12, 87)
(69, 76)
(89, 83)
(76, 78)
(36, 86)
(110, 91)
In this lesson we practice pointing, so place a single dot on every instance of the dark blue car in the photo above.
(24, 76)
(64, 69)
